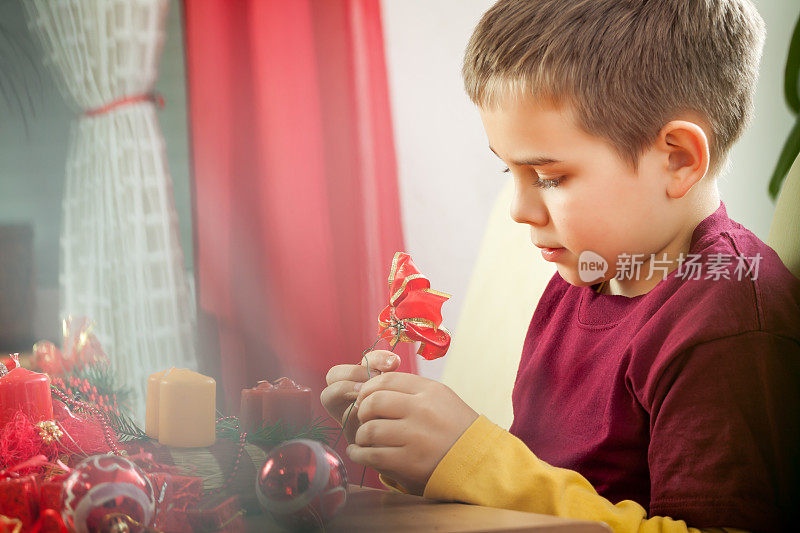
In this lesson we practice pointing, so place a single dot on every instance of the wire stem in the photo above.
(364, 471)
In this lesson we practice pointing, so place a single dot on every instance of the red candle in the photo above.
(267, 403)
(250, 414)
(26, 391)
(287, 401)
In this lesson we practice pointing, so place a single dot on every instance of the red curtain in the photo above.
(297, 214)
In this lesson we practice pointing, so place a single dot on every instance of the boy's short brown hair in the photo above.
(627, 67)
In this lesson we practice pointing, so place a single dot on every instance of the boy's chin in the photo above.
(571, 276)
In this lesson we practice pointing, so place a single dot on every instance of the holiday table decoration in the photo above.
(186, 404)
(251, 409)
(282, 401)
(10, 525)
(8, 363)
(24, 391)
(79, 348)
(82, 377)
(104, 485)
(86, 466)
(18, 498)
(153, 396)
(302, 484)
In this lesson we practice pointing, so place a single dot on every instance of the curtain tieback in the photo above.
(156, 98)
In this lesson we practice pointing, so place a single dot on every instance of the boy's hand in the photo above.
(339, 394)
(408, 423)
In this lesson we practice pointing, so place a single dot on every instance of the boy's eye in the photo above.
(548, 184)
(544, 184)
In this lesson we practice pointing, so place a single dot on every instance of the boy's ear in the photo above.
(685, 146)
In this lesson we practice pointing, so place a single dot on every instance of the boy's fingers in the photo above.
(378, 360)
(386, 404)
(380, 458)
(336, 398)
(347, 373)
(381, 433)
(382, 360)
(395, 381)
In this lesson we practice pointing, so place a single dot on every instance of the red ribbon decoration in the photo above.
(79, 349)
(414, 312)
(7, 364)
(156, 98)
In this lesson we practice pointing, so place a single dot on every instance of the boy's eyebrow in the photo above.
(533, 161)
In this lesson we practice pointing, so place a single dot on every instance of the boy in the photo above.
(652, 396)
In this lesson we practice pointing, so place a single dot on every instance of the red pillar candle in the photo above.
(286, 401)
(250, 414)
(26, 391)
(267, 403)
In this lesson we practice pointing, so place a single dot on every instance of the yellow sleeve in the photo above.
(489, 466)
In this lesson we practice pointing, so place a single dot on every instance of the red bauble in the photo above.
(302, 484)
(103, 485)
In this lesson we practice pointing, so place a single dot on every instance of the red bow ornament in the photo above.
(80, 348)
(414, 312)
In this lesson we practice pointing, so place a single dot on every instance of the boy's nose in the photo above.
(527, 206)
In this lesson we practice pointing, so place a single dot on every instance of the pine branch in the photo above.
(123, 425)
(274, 434)
(104, 378)
(125, 428)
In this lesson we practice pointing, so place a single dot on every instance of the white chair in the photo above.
(508, 279)
(784, 232)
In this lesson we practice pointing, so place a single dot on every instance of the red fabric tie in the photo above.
(127, 100)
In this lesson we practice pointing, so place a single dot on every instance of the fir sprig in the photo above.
(104, 378)
(273, 434)
(124, 426)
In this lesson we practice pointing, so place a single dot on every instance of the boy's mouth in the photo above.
(551, 253)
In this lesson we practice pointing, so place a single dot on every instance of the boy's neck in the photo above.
(680, 244)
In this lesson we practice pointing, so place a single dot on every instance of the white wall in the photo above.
(752, 160)
(447, 180)
(448, 177)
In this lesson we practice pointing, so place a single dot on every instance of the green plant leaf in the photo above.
(785, 161)
(791, 80)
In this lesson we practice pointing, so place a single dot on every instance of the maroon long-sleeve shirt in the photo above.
(685, 399)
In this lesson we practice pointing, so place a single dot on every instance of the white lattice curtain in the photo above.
(121, 259)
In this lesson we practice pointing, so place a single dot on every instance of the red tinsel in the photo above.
(20, 440)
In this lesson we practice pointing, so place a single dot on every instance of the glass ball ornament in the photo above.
(102, 485)
(302, 484)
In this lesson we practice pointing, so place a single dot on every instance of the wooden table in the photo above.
(373, 510)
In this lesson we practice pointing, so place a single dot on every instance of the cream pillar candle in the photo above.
(151, 415)
(186, 409)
